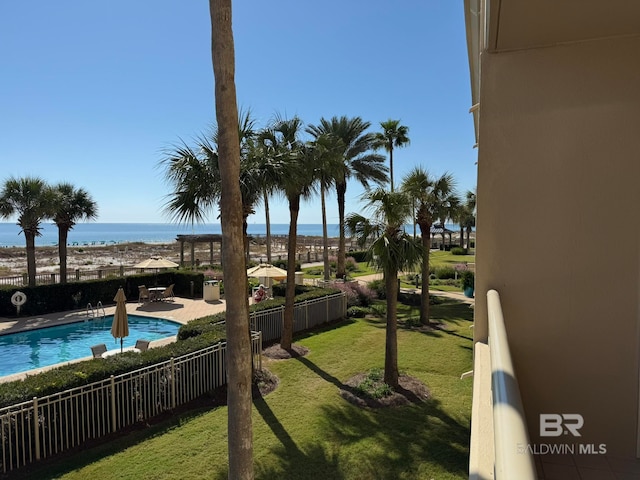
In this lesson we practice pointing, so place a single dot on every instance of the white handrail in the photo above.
(513, 457)
(100, 306)
(90, 309)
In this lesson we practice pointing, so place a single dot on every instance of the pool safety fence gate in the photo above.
(47, 426)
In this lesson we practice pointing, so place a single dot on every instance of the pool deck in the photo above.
(180, 310)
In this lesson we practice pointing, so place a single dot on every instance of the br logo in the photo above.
(554, 425)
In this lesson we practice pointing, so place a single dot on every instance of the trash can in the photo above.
(299, 280)
(211, 291)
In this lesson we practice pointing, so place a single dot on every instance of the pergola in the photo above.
(209, 238)
(441, 230)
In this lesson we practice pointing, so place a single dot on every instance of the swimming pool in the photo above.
(43, 347)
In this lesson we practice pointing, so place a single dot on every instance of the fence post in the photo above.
(122, 270)
(77, 274)
(53, 278)
(173, 384)
(113, 404)
(25, 279)
(36, 427)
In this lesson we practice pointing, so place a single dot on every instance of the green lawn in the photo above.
(305, 430)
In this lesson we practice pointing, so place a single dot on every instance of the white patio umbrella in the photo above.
(120, 326)
(156, 262)
(268, 271)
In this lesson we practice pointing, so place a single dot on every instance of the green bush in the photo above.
(458, 251)
(358, 311)
(468, 279)
(444, 272)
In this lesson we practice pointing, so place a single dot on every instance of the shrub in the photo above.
(444, 272)
(357, 295)
(357, 312)
(458, 251)
(373, 385)
(468, 279)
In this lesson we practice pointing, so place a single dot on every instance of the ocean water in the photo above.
(114, 233)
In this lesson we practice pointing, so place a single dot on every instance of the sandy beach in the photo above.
(13, 260)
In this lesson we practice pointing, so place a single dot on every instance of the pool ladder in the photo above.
(91, 311)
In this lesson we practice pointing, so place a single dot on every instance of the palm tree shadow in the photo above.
(292, 461)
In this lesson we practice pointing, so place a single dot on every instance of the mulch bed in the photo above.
(411, 390)
(276, 352)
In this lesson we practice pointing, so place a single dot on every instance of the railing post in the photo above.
(122, 270)
(78, 274)
(36, 427)
(173, 383)
(113, 404)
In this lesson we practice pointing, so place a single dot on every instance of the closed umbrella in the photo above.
(120, 326)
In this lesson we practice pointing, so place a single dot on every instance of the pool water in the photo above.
(43, 347)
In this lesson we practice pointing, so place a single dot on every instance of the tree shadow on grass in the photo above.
(408, 438)
(292, 461)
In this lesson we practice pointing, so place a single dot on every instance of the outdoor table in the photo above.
(116, 351)
(156, 293)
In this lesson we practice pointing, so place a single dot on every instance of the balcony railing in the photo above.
(499, 436)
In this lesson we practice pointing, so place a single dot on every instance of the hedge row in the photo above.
(59, 297)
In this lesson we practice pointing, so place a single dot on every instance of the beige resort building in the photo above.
(556, 105)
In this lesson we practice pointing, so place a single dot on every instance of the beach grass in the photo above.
(304, 429)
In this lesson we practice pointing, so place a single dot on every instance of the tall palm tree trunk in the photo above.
(461, 236)
(424, 272)
(341, 189)
(469, 238)
(63, 234)
(267, 219)
(30, 238)
(391, 163)
(325, 235)
(238, 364)
(391, 345)
(290, 291)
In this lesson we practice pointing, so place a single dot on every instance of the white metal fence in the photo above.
(306, 315)
(47, 426)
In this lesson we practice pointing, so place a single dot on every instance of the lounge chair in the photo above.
(98, 350)
(142, 344)
(143, 294)
(168, 292)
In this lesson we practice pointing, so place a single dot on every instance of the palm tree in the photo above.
(358, 162)
(70, 206)
(194, 173)
(393, 135)
(232, 208)
(470, 218)
(434, 197)
(328, 165)
(296, 183)
(392, 250)
(31, 199)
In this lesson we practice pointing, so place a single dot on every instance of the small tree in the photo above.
(392, 250)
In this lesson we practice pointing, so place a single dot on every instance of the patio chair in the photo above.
(98, 350)
(143, 294)
(142, 344)
(168, 292)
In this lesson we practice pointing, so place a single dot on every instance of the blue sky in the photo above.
(93, 92)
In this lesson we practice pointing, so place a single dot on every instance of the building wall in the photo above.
(558, 229)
